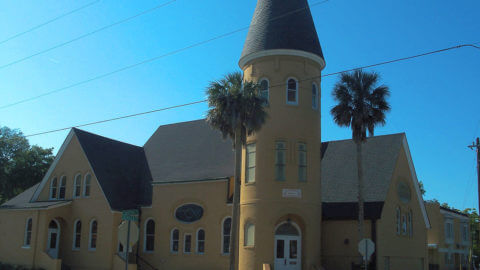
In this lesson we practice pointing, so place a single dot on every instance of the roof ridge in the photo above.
(76, 130)
(374, 137)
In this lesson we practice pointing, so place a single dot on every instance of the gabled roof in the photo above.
(281, 24)
(121, 169)
(339, 168)
(189, 151)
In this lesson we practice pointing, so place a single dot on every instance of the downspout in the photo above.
(374, 239)
(36, 238)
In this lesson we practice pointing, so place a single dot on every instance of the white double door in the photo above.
(288, 252)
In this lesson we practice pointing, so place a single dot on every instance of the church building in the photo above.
(298, 204)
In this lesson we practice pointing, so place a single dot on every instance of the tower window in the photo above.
(292, 92)
(280, 160)
(250, 162)
(249, 240)
(302, 162)
(314, 96)
(264, 90)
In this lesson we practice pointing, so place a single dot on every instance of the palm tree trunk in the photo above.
(361, 214)
(236, 200)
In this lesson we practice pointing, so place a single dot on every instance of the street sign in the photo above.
(131, 215)
(366, 247)
(123, 233)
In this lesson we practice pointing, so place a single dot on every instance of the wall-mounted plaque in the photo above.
(291, 193)
(189, 213)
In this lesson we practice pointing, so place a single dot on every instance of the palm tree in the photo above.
(362, 106)
(235, 108)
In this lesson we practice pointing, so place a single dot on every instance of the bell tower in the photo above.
(280, 204)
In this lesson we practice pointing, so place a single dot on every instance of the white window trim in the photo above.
(26, 234)
(317, 98)
(268, 89)
(223, 235)
(63, 179)
(247, 167)
(398, 221)
(171, 241)
(50, 195)
(75, 234)
(248, 224)
(185, 243)
(465, 227)
(296, 92)
(145, 236)
(85, 185)
(90, 236)
(197, 241)
(284, 164)
(449, 240)
(75, 180)
(306, 161)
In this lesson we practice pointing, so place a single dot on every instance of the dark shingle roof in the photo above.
(121, 169)
(22, 201)
(339, 168)
(189, 151)
(281, 24)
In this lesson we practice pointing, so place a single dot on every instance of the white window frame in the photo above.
(197, 241)
(284, 164)
(52, 188)
(171, 241)
(268, 89)
(410, 223)
(245, 233)
(404, 225)
(76, 181)
(398, 221)
(145, 234)
(26, 236)
(223, 235)
(300, 166)
(248, 166)
(315, 97)
(62, 184)
(90, 236)
(296, 91)
(465, 232)
(185, 243)
(75, 234)
(449, 234)
(85, 186)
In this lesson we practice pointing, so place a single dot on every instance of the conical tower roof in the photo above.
(282, 25)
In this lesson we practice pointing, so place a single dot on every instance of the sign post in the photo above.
(366, 247)
(129, 216)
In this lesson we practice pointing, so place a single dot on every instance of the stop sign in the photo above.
(366, 247)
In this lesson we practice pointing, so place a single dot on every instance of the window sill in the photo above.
(92, 249)
(200, 253)
(75, 249)
(148, 251)
(250, 183)
(225, 254)
(249, 247)
(26, 247)
(292, 104)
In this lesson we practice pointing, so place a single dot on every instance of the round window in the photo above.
(189, 213)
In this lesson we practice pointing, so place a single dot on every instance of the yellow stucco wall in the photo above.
(262, 202)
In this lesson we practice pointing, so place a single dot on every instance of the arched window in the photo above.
(264, 90)
(63, 183)
(187, 243)
(201, 241)
(149, 236)
(77, 186)
(398, 220)
(53, 189)
(86, 185)
(226, 229)
(174, 239)
(410, 224)
(314, 96)
(92, 242)
(249, 239)
(77, 234)
(292, 91)
(27, 239)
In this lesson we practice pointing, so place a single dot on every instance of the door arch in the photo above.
(53, 238)
(288, 246)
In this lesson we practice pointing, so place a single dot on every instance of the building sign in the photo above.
(291, 193)
(189, 213)
(131, 215)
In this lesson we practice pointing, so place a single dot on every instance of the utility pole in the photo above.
(476, 146)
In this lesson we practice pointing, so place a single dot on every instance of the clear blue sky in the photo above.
(434, 99)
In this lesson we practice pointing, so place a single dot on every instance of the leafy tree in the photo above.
(235, 108)
(21, 165)
(474, 233)
(361, 105)
(422, 188)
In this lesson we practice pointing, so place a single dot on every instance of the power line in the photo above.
(49, 21)
(149, 60)
(86, 35)
(202, 101)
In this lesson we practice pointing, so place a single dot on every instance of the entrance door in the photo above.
(287, 248)
(53, 239)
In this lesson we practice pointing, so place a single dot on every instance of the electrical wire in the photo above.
(48, 22)
(203, 101)
(86, 35)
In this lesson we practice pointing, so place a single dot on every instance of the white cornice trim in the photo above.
(415, 182)
(319, 60)
(52, 167)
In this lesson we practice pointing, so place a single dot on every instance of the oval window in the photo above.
(189, 213)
